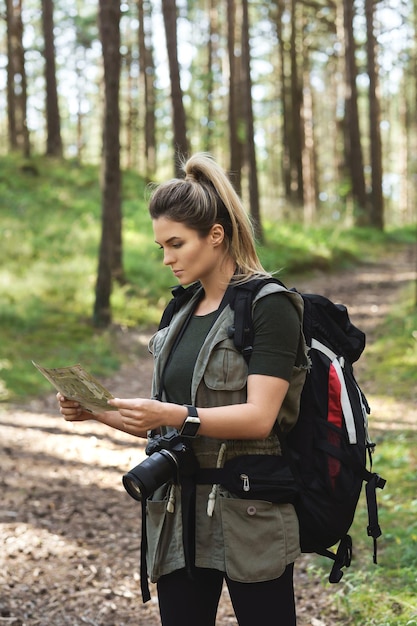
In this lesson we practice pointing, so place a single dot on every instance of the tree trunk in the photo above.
(235, 101)
(377, 204)
(295, 135)
(169, 11)
(110, 264)
(16, 79)
(285, 104)
(147, 71)
(53, 122)
(309, 154)
(353, 145)
(250, 130)
(211, 49)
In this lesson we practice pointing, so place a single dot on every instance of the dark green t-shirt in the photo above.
(277, 332)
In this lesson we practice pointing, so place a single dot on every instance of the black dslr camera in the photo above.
(169, 458)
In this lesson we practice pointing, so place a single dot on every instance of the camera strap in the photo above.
(188, 490)
(144, 585)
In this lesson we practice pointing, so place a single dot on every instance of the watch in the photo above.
(191, 423)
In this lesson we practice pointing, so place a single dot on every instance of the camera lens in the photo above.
(145, 478)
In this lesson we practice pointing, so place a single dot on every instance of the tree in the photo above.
(53, 122)
(377, 199)
(147, 71)
(235, 100)
(110, 254)
(169, 11)
(250, 127)
(352, 134)
(16, 79)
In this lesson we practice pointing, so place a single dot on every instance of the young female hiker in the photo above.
(223, 407)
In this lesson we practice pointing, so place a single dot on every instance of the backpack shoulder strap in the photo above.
(243, 330)
(180, 297)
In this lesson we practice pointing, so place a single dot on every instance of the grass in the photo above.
(392, 357)
(50, 231)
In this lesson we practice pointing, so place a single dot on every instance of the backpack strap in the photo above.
(242, 330)
(180, 296)
(374, 529)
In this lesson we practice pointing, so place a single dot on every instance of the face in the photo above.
(190, 256)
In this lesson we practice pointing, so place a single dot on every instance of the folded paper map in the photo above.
(76, 384)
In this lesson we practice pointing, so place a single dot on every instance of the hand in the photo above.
(141, 414)
(71, 410)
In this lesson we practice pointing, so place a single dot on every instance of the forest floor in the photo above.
(70, 534)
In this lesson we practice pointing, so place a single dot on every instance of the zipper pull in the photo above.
(245, 478)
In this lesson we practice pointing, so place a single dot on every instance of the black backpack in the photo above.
(328, 449)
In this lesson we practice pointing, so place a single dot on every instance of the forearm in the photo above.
(113, 419)
(253, 419)
(237, 421)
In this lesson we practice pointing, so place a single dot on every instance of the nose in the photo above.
(168, 257)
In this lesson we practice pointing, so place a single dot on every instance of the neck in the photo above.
(214, 288)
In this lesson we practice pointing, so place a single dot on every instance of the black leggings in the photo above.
(186, 601)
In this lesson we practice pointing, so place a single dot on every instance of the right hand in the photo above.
(72, 411)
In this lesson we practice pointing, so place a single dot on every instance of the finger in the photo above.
(124, 403)
(70, 404)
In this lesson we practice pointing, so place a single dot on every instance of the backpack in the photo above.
(329, 449)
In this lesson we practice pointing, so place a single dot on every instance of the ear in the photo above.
(216, 234)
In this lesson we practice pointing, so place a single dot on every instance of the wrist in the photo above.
(191, 424)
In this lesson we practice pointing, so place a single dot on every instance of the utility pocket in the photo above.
(254, 539)
(164, 538)
(226, 369)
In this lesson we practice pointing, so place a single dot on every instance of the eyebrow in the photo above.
(170, 240)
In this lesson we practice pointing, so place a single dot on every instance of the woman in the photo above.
(204, 388)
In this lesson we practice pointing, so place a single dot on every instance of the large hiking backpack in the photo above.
(329, 449)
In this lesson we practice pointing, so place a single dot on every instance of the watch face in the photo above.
(190, 427)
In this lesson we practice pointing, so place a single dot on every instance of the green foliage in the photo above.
(392, 357)
(297, 249)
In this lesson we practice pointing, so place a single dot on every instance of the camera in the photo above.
(169, 457)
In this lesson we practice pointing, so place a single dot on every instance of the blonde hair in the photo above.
(204, 197)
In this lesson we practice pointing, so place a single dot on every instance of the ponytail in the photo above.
(204, 197)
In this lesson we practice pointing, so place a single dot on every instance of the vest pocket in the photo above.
(164, 537)
(254, 539)
(226, 369)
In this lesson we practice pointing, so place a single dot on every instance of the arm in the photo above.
(251, 420)
(74, 412)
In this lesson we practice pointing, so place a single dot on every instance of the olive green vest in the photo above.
(222, 542)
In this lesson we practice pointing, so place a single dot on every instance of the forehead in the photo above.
(165, 229)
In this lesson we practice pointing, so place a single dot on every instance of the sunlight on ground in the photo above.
(388, 413)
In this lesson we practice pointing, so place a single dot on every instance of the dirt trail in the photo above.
(69, 533)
